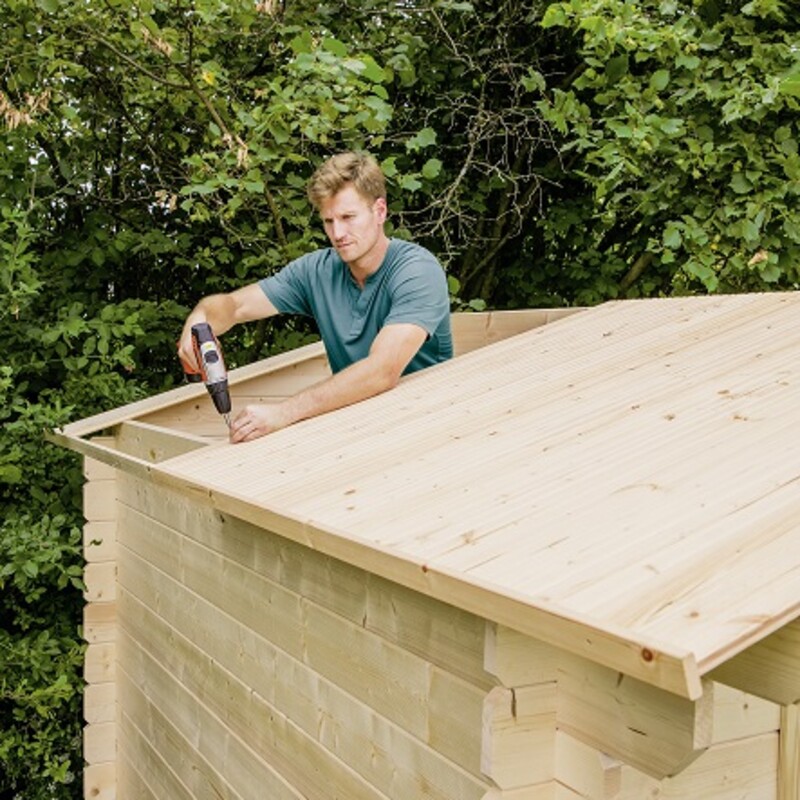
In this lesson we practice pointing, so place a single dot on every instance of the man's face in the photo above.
(353, 224)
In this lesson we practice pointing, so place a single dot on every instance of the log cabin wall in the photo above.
(246, 665)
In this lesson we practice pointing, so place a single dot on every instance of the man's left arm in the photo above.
(391, 351)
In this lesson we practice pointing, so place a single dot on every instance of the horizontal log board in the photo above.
(626, 471)
(154, 741)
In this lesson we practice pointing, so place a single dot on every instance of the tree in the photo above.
(681, 127)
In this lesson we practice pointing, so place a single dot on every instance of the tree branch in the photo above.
(135, 64)
(633, 274)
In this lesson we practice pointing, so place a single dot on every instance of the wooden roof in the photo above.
(623, 483)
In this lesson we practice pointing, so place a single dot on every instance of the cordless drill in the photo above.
(212, 368)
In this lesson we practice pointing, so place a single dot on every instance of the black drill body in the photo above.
(212, 368)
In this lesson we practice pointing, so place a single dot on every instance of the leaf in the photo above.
(621, 130)
(672, 237)
(410, 183)
(302, 43)
(750, 230)
(424, 138)
(688, 62)
(534, 81)
(389, 167)
(765, 9)
(703, 273)
(335, 46)
(740, 184)
(554, 15)
(432, 168)
(372, 71)
(31, 569)
(671, 126)
(771, 273)
(790, 84)
(10, 473)
(660, 80)
(616, 68)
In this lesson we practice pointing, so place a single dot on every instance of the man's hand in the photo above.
(222, 312)
(258, 420)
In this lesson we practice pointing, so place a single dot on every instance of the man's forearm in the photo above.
(357, 382)
(391, 351)
(219, 310)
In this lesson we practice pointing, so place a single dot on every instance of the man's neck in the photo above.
(370, 262)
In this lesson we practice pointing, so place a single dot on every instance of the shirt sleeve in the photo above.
(288, 289)
(419, 294)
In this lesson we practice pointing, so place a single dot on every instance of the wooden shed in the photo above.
(565, 564)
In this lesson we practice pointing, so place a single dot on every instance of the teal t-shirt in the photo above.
(409, 286)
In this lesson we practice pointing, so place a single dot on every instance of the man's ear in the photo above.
(381, 208)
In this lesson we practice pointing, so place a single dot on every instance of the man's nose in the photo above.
(338, 229)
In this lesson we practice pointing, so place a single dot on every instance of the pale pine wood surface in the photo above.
(632, 467)
(789, 758)
(254, 676)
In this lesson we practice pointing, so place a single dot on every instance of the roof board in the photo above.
(631, 471)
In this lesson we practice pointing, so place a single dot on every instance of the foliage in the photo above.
(468, 146)
(154, 152)
(41, 654)
(55, 356)
(681, 134)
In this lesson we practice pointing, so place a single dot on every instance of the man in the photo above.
(381, 304)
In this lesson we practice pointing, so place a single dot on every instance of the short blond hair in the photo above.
(359, 169)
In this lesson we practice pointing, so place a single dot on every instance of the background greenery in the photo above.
(157, 150)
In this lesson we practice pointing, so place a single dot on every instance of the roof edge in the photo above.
(647, 660)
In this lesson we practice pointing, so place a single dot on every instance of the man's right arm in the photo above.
(222, 312)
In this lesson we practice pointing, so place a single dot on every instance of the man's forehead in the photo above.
(346, 199)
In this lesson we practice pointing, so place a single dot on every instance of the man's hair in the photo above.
(360, 169)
